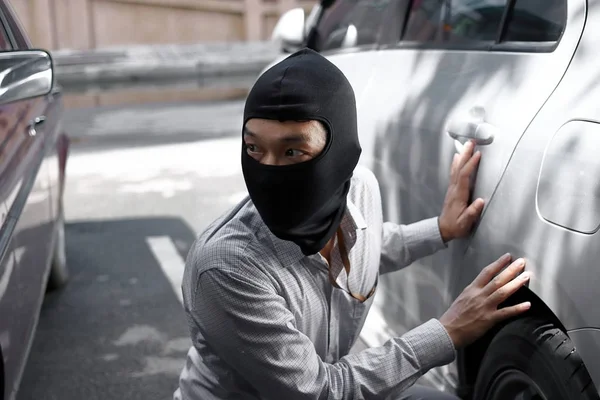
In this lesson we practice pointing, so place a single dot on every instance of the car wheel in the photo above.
(533, 359)
(59, 273)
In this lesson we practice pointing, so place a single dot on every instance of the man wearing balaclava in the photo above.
(277, 290)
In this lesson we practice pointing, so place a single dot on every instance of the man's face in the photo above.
(273, 142)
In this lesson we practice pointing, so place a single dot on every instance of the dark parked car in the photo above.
(33, 153)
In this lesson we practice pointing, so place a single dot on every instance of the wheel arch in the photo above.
(470, 358)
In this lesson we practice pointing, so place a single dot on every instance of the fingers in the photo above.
(466, 154)
(509, 289)
(512, 311)
(504, 277)
(463, 159)
(460, 160)
(472, 213)
(486, 275)
(468, 168)
(453, 168)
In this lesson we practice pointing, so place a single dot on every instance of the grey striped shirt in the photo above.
(266, 323)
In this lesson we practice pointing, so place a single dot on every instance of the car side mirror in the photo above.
(289, 30)
(25, 74)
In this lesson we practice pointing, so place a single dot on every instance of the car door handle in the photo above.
(481, 132)
(34, 123)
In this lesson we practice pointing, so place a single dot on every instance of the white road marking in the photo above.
(170, 261)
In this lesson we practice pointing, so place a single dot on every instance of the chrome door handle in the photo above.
(481, 132)
(31, 131)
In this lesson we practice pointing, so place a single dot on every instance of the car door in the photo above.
(546, 207)
(29, 209)
(348, 35)
(9, 286)
(466, 67)
(52, 126)
(16, 315)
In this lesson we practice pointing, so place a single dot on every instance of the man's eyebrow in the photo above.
(293, 138)
(296, 138)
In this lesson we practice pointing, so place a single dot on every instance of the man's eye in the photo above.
(251, 148)
(293, 153)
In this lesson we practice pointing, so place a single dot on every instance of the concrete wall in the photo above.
(89, 24)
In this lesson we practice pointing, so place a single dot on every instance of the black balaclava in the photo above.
(304, 203)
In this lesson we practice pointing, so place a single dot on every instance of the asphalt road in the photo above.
(142, 182)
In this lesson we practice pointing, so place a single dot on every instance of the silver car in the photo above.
(521, 78)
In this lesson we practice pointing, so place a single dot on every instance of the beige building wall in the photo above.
(88, 24)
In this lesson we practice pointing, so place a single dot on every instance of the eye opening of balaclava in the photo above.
(304, 202)
(328, 141)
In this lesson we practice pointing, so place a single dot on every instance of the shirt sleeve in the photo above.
(403, 244)
(249, 327)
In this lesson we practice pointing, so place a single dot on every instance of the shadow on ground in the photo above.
(117, 330)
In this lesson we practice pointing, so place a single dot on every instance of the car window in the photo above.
(454, 21)
(350, 23)
(4, 40)
(536, 21)
(15, 27)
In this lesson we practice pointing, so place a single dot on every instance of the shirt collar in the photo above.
(356, 217)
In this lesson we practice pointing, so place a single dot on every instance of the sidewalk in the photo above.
(153, 124)
(162, 63)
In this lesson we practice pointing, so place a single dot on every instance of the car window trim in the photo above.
(355, 49)
(7, 30)
(526, 47)
(489, 46)
(415, 45)
(405, 19)
(508, 9)
(349, 50)
(10, 11)
(498, 45)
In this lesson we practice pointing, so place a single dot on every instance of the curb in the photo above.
(162, 63)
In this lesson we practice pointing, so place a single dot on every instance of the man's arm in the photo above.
(403, 244)
(250, 328)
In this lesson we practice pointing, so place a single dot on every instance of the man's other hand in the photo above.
(458, 216)
(475, 310)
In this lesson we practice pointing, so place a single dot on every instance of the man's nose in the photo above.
(271, 159)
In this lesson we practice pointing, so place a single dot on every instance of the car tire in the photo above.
(59, 273)
(533, 353)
